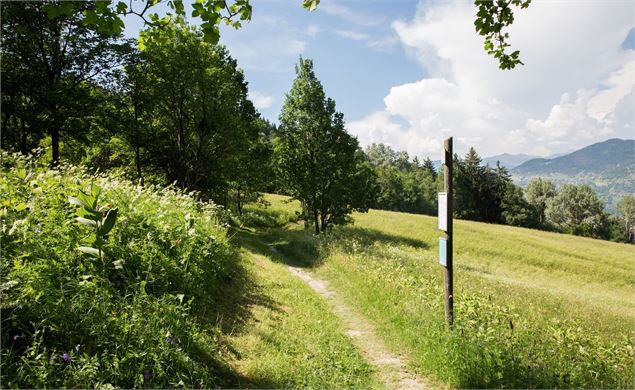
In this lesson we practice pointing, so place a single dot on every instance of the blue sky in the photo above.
(356, 54)
(411, 73)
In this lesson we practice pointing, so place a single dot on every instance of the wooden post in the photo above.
(448, 274)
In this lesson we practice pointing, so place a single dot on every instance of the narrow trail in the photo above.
(390, 367)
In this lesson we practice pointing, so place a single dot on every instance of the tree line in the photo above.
(175, 111)
(488, 194)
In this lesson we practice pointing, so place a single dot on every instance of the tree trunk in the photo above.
(305, 215)
(317, 221)
(239, 203)
(324, 223)
(3, 131)
(137, 160)
(23, 148)
(55, 145)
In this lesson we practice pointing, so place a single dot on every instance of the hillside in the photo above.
(173, 301)
(608, 166)
(508, 160)
(533, 308)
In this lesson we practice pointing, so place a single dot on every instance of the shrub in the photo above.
(134, 316)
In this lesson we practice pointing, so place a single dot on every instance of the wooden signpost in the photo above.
(445, 224)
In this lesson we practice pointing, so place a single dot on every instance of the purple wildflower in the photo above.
(170, 340)
(66, 357)
(37, 230)
(16, 337)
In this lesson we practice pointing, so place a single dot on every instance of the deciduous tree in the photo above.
(321, 164)
(538, 192)
(626, 212)
(578, 210)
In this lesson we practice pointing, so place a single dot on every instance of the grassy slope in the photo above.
(570, 298)
(283, 335)
(593, 278)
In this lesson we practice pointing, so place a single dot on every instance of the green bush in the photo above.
(138, 314)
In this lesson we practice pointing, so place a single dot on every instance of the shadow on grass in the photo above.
(295, 247)
(301, 248)
(367, 237)
(231, 311)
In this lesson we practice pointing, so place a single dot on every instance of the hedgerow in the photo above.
(133, 313)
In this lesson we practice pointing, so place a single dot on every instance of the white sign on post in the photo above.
(443, 211)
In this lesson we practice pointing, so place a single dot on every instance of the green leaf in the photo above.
(21, 206)
(211, 35)
(76, 202)
(90, 214)
(118, 264)
(311, 4)
(108, 222)
(178, 7)
(89, 251)
(122, 7)
(21, 173)
(87, 222)
(89, 201)
(95, 191)
(90, 17)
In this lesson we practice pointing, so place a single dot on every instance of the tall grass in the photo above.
(533, 309)
(138, 316)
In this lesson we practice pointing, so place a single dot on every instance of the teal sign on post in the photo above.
(443, 251)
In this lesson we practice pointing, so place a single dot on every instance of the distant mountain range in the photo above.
(508, 160)
(608, 166)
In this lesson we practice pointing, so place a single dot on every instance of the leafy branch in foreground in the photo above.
(491, 18)
(99, 218)
(108, 16)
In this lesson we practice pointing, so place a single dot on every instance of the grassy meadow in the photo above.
(532, 308)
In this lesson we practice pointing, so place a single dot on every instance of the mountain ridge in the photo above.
(614, 152)
(607, 166)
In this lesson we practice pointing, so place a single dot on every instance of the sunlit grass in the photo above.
(570, 299)
(291, 339)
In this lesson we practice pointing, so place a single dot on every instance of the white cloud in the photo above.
(575, 88)
(380, 127)
(383, 44)
(619, 85)
(260, 100)
(357, 16)
(354, 35)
